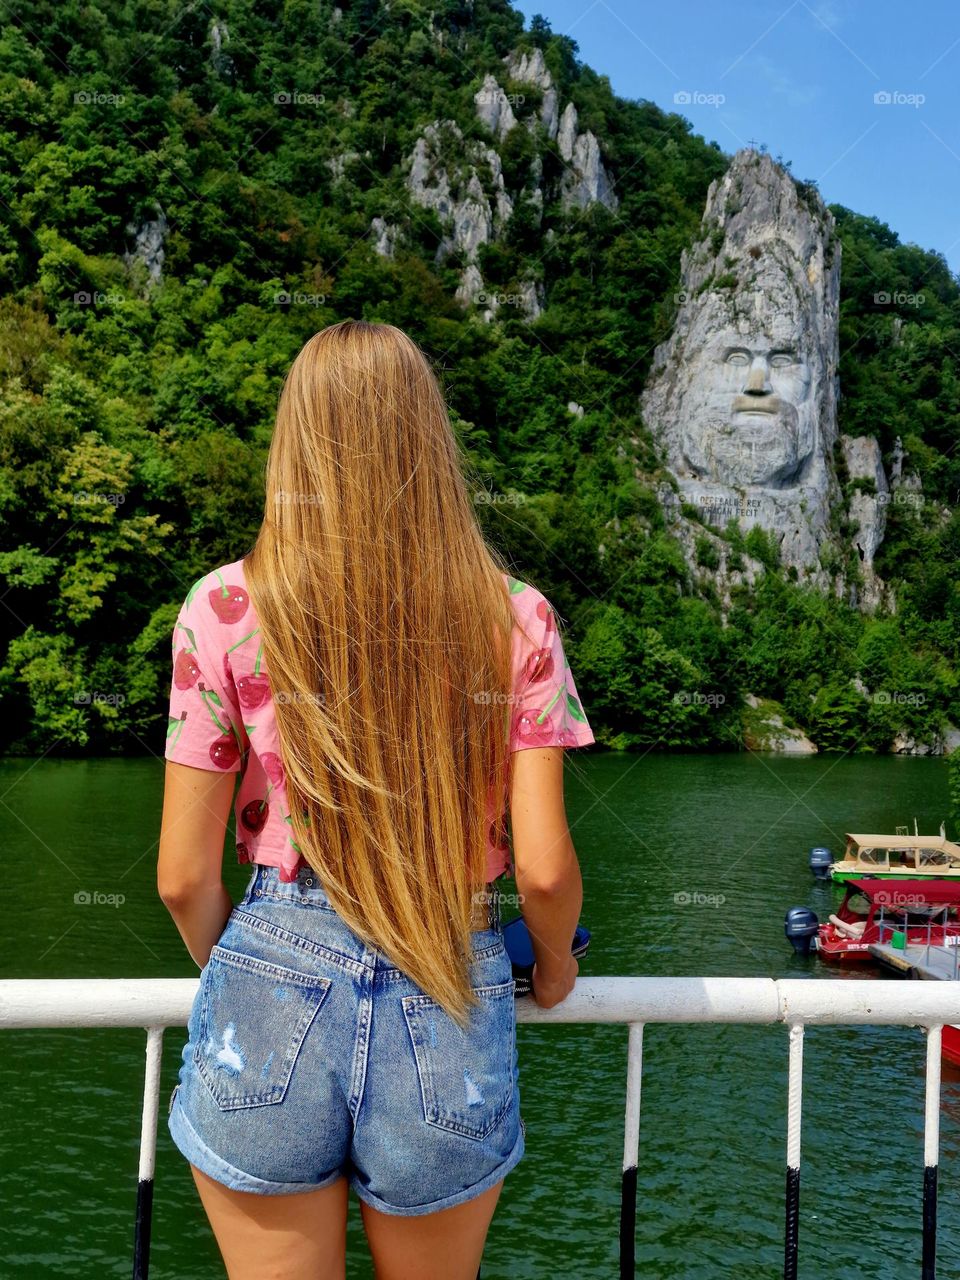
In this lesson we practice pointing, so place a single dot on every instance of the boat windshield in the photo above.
(857, 906)
(936, 858)
(871, 857)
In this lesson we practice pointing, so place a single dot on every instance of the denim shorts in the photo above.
(310, 1058)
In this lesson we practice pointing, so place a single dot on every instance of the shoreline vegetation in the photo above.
(158, 274)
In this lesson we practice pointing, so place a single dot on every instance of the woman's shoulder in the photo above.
(219, 598)
(527, 600)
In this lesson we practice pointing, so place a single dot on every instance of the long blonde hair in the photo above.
(386, 626)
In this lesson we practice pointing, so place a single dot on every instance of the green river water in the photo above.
(713, 1119)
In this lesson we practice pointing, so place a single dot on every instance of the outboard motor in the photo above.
(800, 926)
(821, 860)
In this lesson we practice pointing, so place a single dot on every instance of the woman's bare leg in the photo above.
(298, 1237)
(446, 1245)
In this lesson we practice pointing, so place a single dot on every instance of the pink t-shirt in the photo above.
(222, 717)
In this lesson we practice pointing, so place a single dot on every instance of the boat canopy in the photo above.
(936, 843)
(901, 893)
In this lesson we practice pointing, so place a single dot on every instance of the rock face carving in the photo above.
(743, 394)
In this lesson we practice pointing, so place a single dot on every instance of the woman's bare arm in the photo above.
(546, 867)
(196, 808)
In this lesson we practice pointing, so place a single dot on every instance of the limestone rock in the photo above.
(764, 730)
(337, 164)
(530, 68)
(148, 237)
(458, 197)
(532, 298)
(386, 237)
(220, 60)
(493, 107)
(567, 132)
(867, 509)
(587, 181)
(742, 395)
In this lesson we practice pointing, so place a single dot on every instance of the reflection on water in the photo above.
(690, 863)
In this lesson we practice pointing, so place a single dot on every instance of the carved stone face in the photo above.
(748, 415)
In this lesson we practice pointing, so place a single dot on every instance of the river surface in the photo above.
(689, 862)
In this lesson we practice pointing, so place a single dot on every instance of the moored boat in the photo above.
(915, 912)
(898, 857)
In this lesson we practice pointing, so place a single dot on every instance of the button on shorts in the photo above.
(310, 1058)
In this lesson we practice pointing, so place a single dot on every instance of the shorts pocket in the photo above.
(466, 1076)
(254, 1017)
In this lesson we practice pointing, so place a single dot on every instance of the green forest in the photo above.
(264, 140)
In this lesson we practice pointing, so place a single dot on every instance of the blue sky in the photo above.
(800, 76)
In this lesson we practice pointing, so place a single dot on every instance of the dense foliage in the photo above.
(135, 416)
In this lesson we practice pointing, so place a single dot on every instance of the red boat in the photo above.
(873, 910)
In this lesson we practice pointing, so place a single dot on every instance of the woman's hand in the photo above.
(552, 989)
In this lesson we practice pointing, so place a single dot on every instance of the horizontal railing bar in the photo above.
(166, 1002)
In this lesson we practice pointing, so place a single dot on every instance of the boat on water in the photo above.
(937, 963)
(898, 857)
(910, 912)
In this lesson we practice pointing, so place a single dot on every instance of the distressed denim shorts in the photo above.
(310, 1058)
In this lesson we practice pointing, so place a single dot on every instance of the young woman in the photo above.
(386, 692)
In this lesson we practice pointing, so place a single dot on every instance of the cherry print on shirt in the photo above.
(255, 814)
(575, 709)
(175, 727)
(536, 726)
(243, 853)
(228, 602)
(225, 751)
(227, 667)
(186, 673)
(545, 614)
(539, 666)
(254, 690)
(273, 768)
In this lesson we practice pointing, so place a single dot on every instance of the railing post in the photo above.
(791, 1235)
(148, 1152)
(931, 1148)
(631, 1153)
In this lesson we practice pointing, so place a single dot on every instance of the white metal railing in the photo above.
(157, 1003)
